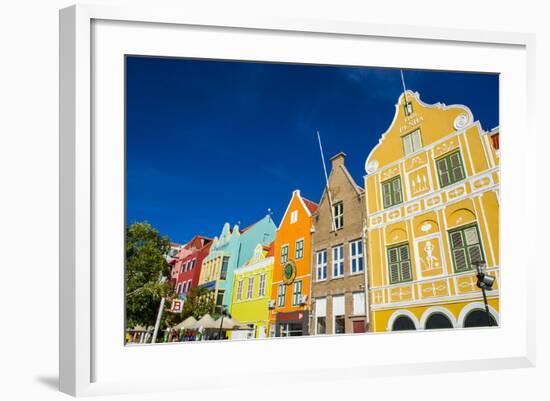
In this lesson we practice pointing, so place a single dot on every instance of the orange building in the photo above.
(291, 288)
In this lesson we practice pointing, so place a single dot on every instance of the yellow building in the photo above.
(432, 200)
(252, 292)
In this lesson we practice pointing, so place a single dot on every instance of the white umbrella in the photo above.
(232, 324)
(187, 323)
(206, 322)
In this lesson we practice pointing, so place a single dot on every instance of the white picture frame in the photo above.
(84, 355)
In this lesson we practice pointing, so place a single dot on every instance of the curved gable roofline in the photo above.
(416, 96)
(296, 192)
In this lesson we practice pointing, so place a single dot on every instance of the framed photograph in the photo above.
(260, 189)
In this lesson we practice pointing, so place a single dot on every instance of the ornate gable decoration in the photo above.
(434, 122)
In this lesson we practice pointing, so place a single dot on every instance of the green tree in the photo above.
(146, 273)
(198, 303)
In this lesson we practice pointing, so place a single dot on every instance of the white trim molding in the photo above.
(403, 312)
(476, 306)
(437, 309)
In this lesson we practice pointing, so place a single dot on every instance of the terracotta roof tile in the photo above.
(312, 206)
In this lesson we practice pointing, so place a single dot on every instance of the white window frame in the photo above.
(240, 290)
(338, 261)
(357, 257)
(281, 295)
(334, 298)
(261, 286)
(321, 266)
(360, 303)
(299, 241)
(296, 296)
(338, 215)
(414, 139)
(293, 217)
(284, 255)
(250, 287)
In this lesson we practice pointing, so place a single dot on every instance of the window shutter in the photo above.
(417, 143)
(471, 237)
(397, 191)
(459, 256)
(475, 254)
(394, 273)
(386, 194)
(443, 172)
(406, 271)
(404, 253)
(393, 255)
(394, 265)
(456, 240)
(407, 143)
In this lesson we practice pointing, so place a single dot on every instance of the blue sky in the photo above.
(214, 141)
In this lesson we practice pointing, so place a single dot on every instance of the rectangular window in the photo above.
(192, 264)
(408, 108)
(399, 262)
(339, 312)
(338, 215)
(391, 192)
(321, 325)
(339, 324)
(300, 249)
(450, 169)
(225, 264)
(219, 298)
(320, 314)
(294, 217)
(181, 267)
(284, 254)
(358, 303)
(412, 142)
(356, 256)
(465, 248)
(179, 289)
(297, 292)
(261, 290)
(281, 295)
(338, 261)
(322, 265)
(240, 290)
(250, 287)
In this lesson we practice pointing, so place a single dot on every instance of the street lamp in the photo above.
(485, 282)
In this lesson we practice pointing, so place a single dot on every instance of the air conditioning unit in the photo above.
(272, 304)
(303, 300)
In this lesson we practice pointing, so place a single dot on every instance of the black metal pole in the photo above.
(486, 307)
(221, 326)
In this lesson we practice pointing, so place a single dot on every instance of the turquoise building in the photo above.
(233, 248)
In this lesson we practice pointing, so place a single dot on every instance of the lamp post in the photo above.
(485, 282)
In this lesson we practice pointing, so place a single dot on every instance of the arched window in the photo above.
(438, 321)
(478, 318)
(403, 323)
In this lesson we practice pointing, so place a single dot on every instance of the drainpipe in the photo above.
(365, 262)
(312, 323)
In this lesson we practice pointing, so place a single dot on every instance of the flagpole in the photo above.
(404, 88)
(326, 180)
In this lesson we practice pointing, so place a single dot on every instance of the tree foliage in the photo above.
(198, 303)
(146, 273)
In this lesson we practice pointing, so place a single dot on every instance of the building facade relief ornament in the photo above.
(461, 121)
